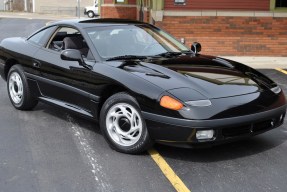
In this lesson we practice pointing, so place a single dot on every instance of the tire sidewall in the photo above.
(17, 69)
(27, 102)
(92, 14)
(123, 98)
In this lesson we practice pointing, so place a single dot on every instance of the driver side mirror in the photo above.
(196, 47)
(72, 55)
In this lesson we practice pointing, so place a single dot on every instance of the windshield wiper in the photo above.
(169, 54)
(126, 57)
(187, 52)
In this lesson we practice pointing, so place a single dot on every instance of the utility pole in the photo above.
(141, 11)
(79, 8)
(25, 6)
(34, 6)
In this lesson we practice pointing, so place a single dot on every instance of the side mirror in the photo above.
(72, 55)
(196, 47)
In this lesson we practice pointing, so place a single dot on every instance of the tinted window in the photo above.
(41, 37)
(281, 3)
(70, 38)
(140, 40)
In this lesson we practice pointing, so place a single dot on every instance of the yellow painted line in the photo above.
(281, 70)
(168, 172)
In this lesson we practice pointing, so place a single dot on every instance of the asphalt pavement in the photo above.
(48, 149)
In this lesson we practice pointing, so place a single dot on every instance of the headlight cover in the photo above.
(199, 103)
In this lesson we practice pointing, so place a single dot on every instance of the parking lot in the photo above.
(48, 149)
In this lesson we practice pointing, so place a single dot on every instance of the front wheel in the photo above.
(18, 89)
(123, 126)
(90, 14)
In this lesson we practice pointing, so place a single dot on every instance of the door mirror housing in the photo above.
(72, 55)
(196, 47)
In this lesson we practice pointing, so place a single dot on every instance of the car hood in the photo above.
(210, 77)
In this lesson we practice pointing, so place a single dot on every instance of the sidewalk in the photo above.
(255, 62)
(36, 16)
(261, 62)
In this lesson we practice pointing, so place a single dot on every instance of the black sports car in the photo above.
(140, 83)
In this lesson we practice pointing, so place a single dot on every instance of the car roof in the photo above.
(84, 23)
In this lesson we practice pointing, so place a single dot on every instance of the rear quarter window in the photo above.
(41, 37)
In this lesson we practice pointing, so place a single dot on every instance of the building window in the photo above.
(179, 2)
(281, 3)
(278, 5)
(121, 1)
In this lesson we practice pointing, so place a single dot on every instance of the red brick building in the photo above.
(223, 27)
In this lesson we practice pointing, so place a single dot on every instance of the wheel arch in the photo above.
(108, 92)
(8, 64)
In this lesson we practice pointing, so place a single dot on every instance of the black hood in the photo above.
(209, 76)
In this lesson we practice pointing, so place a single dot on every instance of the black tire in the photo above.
(90, 14)
(143, 143)
(27, 102)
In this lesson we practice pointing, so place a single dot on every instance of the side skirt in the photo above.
(68, 107)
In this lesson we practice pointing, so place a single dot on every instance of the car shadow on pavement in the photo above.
(228, 151)
(63, 114)
(83, 122)
(234, 150)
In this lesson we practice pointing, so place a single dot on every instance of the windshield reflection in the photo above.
(139, 40)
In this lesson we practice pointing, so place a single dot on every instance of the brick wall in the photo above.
(146, 15)
(250, 36)
(118, 12)
(219, 5)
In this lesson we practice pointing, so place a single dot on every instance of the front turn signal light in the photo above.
(170, 103)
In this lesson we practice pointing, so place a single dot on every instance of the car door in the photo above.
(27, 57)
(65, 83)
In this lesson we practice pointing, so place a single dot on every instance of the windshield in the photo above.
(139, 40)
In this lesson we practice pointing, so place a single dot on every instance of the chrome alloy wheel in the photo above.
(16, 88)
(124, 124)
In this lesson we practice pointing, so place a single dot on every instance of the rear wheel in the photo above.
(123, 126)
(90, 14)
(18, 89)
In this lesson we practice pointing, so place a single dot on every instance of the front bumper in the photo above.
(176, 131)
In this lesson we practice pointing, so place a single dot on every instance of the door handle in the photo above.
(36, 64)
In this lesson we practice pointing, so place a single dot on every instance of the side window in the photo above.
(41, 37)
(69, 30)
(69, 38)
(281, 3)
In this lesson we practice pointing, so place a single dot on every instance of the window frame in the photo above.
(58, 28)
(276, 9)
(121, 3)
(44, 39)
(179, 3)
